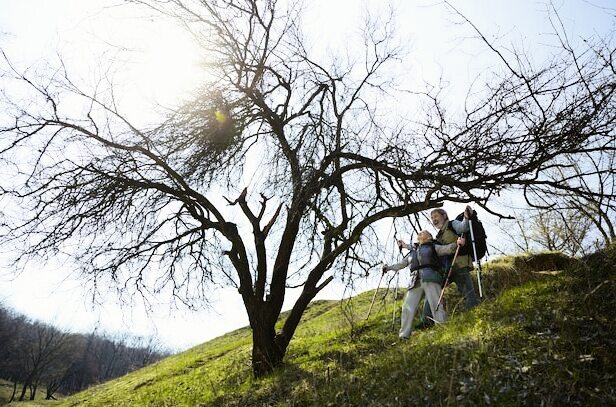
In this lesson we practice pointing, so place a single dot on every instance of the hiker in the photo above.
(448, 232)
(426, 277)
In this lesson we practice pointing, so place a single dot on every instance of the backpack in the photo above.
(479, 234)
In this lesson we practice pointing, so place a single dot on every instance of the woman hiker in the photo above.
(426, 277)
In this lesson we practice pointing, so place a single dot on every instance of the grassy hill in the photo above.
(543, 336)
(6, 390)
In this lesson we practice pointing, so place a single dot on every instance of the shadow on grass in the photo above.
(548, 342)
(538, 339)
(545, 343)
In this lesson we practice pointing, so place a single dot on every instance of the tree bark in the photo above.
(14, 392)
(33, 389)
(22, 397)
(268, 349)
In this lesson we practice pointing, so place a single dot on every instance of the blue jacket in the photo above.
(425, 260)
(423, 263)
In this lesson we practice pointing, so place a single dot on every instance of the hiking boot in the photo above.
(423, 325)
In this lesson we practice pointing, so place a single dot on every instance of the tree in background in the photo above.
(555, 230)
(41, 346)
(581, 218)
(11, 329)
(34, 354)
(308, 153)
(575, 222)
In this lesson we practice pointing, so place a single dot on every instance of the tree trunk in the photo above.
(33, 389)
(52, 387)
(22, 397)
(268, 349)
(14, 391)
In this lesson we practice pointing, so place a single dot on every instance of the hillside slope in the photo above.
(541, 337)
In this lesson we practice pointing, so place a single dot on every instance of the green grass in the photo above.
(6, 389)
(539, 338)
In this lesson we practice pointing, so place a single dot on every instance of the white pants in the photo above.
(411, 301)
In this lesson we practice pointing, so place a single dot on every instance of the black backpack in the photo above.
(479, 234)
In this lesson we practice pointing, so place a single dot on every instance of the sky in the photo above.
(156, 61)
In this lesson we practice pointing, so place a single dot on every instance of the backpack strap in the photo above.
(439, 235)
(434, 261)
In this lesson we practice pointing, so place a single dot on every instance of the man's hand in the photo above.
(461, 241)
(385, 268)
(402, 245)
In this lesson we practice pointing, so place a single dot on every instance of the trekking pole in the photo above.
(374, 296)
(393, 320)
(440, 298)
(470, 226)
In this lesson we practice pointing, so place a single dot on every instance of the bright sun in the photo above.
(168, 68)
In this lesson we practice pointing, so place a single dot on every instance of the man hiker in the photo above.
(426, 278)
(448, 232)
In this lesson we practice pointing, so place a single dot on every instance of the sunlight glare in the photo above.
(168, 67)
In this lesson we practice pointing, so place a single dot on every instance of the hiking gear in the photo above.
(474, 244)
(425, 256)
(478, 249)
(450, 235)
(374, 296)
(426, 263)
(440, 298)
(424, 324)
(412, 283)
(393, 318)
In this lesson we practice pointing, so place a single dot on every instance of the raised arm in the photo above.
(398, 266)
(462, 226)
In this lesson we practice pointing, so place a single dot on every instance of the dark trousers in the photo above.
(464, 283)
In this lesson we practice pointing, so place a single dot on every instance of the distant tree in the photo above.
(12, 327)
(594, 216)
(40, 348)
(563, 231)
(34, 353)
(315, 140)
(59, 370)
(113, 356)
(6, 336)
(575, 223)
(144, 350)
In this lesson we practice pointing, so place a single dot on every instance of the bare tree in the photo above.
(12, 327)
(39, 348)
(59, 369)
(33, 353)
(560, 231)
(565, 230)
(141, 207)
(592, 172)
